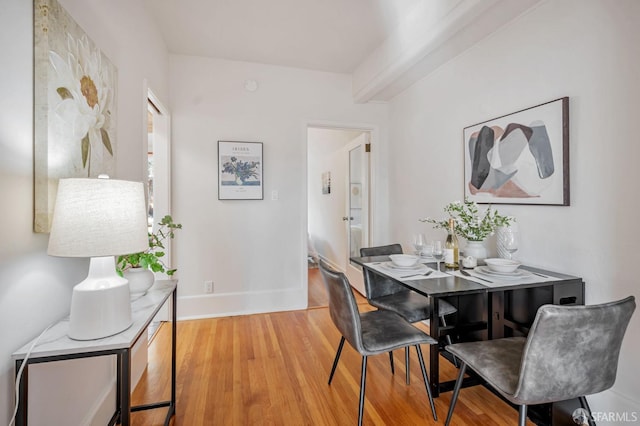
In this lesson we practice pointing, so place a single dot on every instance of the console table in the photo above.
(55, 345)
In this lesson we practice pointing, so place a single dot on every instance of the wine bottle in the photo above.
(451, 252)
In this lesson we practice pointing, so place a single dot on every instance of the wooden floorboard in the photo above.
(317, 295)
(272, 369)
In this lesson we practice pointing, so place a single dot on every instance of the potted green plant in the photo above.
(471, 224)
(138, 268)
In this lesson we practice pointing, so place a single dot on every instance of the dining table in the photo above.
(489, 306)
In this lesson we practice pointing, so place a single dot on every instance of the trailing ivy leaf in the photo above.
(85, 150)
(64, 93)
(106, 141)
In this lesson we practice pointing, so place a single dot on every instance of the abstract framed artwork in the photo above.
(240, 175)
(520, 158)
(74, 107)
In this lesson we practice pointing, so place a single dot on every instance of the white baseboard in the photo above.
(231, 304)
(611, 408)
(104, 408)
(332, 264)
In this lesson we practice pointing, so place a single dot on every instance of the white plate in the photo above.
(517, 274)
(395, 267)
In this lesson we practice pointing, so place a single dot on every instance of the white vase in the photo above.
(140, 280)
(476, 249)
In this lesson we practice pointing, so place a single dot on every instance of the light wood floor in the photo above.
(272, 369)
(317, 293)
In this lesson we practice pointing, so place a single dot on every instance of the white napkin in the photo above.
(407, 275)
(497, 282)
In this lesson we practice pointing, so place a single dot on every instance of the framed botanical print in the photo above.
(240, 167)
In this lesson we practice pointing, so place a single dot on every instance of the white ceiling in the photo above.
(386, 45)
(326, 35)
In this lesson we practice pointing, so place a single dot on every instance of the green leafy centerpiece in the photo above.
(470, 224)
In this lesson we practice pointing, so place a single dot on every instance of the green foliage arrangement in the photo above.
(469, 222)
(152, 257)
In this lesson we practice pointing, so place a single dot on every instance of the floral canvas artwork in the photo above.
(75, 107)
(520, 158)
(240, 170)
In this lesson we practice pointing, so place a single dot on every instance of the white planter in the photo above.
(476, 249)
(140, 280)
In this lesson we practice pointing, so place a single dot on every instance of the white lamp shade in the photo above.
(98, 217)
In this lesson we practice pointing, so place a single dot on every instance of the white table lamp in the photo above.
(100, 219)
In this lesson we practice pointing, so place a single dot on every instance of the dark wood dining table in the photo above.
(485, 311)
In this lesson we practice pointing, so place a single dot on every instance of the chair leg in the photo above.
(393, 370)
(335, 361)
(522, 416)
(456, 391)
(363, 382)
(584, 404)
(426, 382)
(448, 339)
(406, 363)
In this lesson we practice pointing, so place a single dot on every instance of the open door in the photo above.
(357, 206)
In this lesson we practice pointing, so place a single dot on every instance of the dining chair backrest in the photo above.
(342, 305)
(376, 285)
(572, 351)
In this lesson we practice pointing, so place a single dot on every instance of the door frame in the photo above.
(162, 191)
(374, 133)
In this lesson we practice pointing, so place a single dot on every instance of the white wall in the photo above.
(589, 52)
(35, 289)
(254, 251)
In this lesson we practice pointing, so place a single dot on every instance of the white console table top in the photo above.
(56, 342)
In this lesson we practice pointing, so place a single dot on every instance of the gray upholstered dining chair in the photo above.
(570, 352)
(369, 333)
(384, 293)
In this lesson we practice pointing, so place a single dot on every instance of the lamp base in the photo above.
(100, 305)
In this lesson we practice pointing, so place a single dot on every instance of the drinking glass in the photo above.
(418, 243)
(509, 239)
(427, 250)
(438, 252)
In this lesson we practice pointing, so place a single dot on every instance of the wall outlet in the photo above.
(208, 286)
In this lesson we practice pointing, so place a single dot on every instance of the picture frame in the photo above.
(75, 116)
(326, 183)
(240, 171)
(519, 158)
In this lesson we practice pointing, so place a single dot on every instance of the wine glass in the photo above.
(438, 252)
(509, 239)
(418, 243)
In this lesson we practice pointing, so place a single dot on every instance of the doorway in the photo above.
(158, 161)
(338, 187)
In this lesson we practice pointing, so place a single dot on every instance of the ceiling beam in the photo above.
(432, 34)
